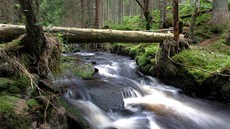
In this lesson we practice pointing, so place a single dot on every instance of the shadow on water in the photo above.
(118, 97)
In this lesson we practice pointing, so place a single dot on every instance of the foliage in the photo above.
(128, 23)
(51, 12)
(186, 9)
(222, 45)
(144, 54)
(203, 19)
(156, 19)
(137, 50)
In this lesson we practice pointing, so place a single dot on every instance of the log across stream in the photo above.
(119, 97)
(81, 35)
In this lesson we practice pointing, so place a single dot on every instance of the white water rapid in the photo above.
(146, 102)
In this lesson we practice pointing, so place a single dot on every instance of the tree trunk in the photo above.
(35, 40)
(163, 6)
(193, 22)
(148, 17)
(83, 13)
(79, 35)
(220, 13)
(97, 8)
(175, 20)
(43, 50)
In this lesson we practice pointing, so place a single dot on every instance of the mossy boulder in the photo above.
(14, 85)
(147, 60)
(5, 83)
(192, 69)
(72, 66)
(74, 118)
(220, 85)
(13, 113)
(197, 66)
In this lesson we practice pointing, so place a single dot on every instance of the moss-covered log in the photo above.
(80, 35)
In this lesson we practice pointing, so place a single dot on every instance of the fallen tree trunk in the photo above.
(79, 35)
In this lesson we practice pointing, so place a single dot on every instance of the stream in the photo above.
(120, 97)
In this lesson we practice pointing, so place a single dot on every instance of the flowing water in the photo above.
(119, 97)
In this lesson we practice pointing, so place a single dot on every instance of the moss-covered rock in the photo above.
(5, 83)
(191, 70)
(13, 113)
(14, 85)
(200, 63)
(72, 65)
(75, 119)
(219, 85)
(222, 45)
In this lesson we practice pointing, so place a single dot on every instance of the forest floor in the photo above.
(208, 42)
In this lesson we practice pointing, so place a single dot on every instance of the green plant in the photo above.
(128, 23)
(51, 12)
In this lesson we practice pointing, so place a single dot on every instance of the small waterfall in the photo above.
(143, 101)
(129, 92)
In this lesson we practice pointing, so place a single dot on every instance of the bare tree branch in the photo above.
(140, 5)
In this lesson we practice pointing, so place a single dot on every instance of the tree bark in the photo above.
(220, 13)
(35, 40)
(79, 35)
(97, 7)
(175, 20)
(148, 17)
(163, 6)
(193, 21)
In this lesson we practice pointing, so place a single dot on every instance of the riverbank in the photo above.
(202, 71)
(28, 100)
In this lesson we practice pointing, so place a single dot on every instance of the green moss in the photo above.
(137, 50)
(152, 49)
(225, 90)
(5, 83)
(128, 23)
(31, 103)
(203, 34)
(71, 64)
(197, 61)
(146, 68)
(11, 120)
(223, 44)
(11, 45)
(219, 46)
(7, 103)
(203, 19)
(142, 60)
(14, 85)
(73, 112)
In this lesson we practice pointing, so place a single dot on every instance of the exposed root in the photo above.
(20, 68)
(169, 48)
(172, 47)
(49, 60)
